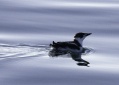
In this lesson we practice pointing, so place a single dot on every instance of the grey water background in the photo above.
(27, 27)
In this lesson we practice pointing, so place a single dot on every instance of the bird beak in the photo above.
(88, 34)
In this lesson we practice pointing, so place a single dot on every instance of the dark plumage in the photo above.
(74, 47)
(64, 45)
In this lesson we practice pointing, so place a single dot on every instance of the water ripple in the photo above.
(22, 50)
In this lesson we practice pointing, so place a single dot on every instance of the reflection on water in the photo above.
(23, 51)
(58, 53)
(36, 22)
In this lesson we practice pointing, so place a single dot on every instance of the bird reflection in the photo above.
(74, 48)
(76, 56)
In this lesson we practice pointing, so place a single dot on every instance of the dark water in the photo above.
(27, 27)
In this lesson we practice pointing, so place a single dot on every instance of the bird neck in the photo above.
(79, 40)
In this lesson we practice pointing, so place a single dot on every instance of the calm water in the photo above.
(27, 27)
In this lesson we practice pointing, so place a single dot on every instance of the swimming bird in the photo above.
(75, 47)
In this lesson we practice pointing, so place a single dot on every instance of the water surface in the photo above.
(26, 26)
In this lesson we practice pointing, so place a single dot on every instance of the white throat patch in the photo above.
(80, 40)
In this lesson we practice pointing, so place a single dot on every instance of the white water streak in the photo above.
(81, 4)
(21, 51)
(66, 4)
